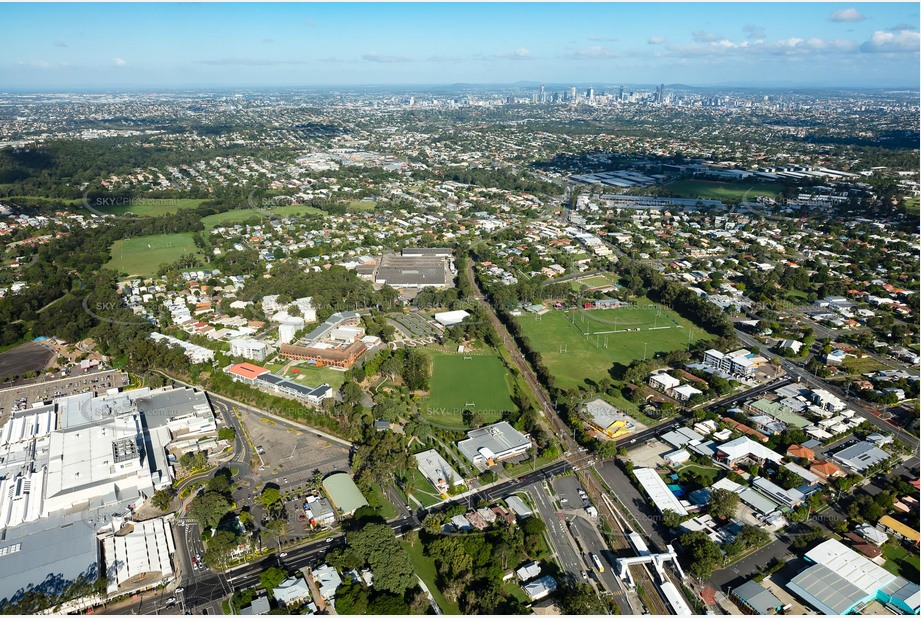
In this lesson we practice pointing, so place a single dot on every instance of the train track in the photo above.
(618, 541)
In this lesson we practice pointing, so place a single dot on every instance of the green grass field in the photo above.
(362, 205)
(423, 491)
(27, 199)
(900, 561)
(482, 380)
(424, 566)
(150, 207)
(314, 376)
(246, 214)
(596, 281)
(728, 191)
(863, 365)
(912, 205)
(144, 255)
(572, 356)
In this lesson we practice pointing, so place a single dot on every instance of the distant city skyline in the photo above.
(113, 46)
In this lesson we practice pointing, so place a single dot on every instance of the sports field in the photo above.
(144, 255)
(728, 191)
(144, 207)
(245, 214)
(480, 384)
(594, 281)
(598, 338)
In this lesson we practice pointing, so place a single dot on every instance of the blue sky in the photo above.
(181, 45)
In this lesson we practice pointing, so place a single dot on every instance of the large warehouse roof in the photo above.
(658, 491)
(344, 493)
(827, 591)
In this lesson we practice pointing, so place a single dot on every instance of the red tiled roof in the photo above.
(247, 370)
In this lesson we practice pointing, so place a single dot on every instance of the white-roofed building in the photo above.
(488, 445)
(539, 588)
(292, 591)
(450, 318)
(663, 382)
(327, 579)
(842, 581)
(685, 392)
(658, 491)
(146, 549)
(734, 450)
(438, 471)
(248, 348)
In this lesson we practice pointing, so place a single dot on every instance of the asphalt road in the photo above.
(557, 531)
(591, 541)
(203, 589)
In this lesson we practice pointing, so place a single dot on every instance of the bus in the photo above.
(597, 562)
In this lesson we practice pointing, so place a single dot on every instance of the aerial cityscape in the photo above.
(436, 308)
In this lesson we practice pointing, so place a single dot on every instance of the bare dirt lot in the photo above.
(27, 357)
(293, 452)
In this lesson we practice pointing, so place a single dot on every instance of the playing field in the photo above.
(144, 207)
(245, 214)
(601, 337)
(728, 191)
(480, 384)
(144, 255)
(594, 281)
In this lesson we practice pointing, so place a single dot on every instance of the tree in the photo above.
(351, 598)
(579, 599)
(219, 547)
(208, 509)
(276, 528)
(163, 498)
(227, 433)
(671, 519)
(702, 553)
(269, 496)
(723, 503)
(272, 577)
(605, 449)
(375, 545)
(416, 370)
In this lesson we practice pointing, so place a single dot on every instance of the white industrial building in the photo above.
(450, 318)
(145, 549)
(493, 443)
(82, 465)
(658, 491)
(438, 471)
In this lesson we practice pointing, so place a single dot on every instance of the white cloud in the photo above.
(701, 36)
(593, 52)
(522, 53)
(35, 64)
(901, 41)
(602, 39)
(657, 40)
(850, 14)
(119, 62)
(384, 58)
